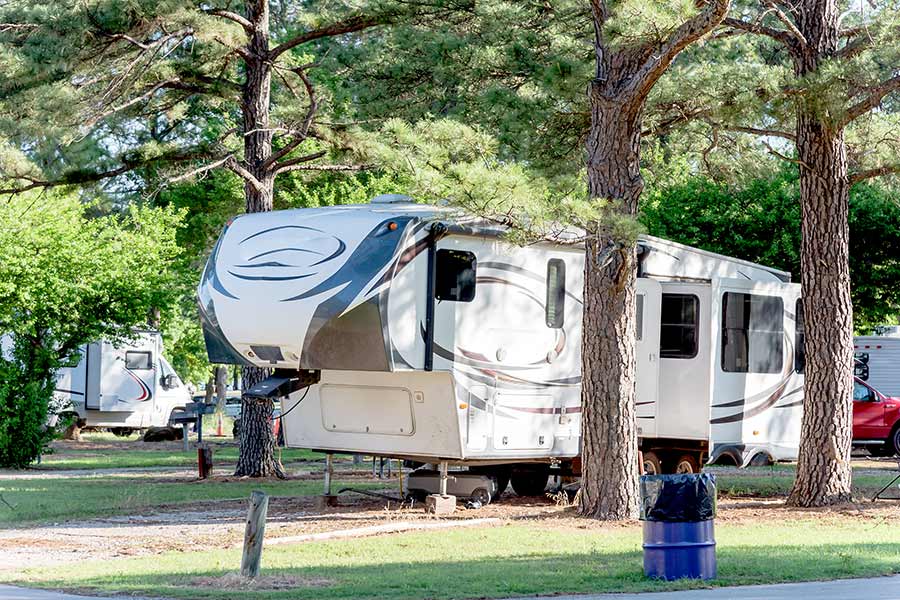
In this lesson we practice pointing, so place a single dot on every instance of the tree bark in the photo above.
(256, 457)
(609, 481)
(823, 469)
(257, 441)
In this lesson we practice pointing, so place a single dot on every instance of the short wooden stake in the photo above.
(253, 535)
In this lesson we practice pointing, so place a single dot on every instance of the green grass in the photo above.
(125, 457)
(768, 482)
(52, 500)
(495, 562)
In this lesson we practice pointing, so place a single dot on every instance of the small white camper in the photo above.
(878, 362)
(124, 387)
(403, 331)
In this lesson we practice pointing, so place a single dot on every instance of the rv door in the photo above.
(647, 316)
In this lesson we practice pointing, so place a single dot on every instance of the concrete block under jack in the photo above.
(325, 500)
(440, 505)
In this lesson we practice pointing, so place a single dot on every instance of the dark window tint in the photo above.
(455, 275)
(862, 394)
(137, 361)
(752, 333)
(639, 317)
(799, 339)
(678, 329)
(556, 293)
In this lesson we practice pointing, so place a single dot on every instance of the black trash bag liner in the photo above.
(678, 498)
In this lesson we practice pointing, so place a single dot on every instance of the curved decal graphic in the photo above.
(146, 394)
(771, 395)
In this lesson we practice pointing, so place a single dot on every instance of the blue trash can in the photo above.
(678, 512)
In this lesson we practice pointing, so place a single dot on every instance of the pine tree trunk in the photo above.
(823, 470)
(257, 441)
(609, 439)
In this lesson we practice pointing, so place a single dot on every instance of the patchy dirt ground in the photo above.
(217, 524)
(220, 524)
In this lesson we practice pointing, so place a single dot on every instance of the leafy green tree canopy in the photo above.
(67, 279)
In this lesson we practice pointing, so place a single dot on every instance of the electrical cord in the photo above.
(302, 398)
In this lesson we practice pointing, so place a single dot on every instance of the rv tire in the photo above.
(531, 482)
(652, 463)
(481, 495)
(687, 463)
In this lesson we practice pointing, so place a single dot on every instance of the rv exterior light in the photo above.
(463, 406)
(392, 226)
(250, 353)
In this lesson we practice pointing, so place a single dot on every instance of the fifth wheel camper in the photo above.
(403, 330)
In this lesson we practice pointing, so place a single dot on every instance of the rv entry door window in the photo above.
(680, 314)
(752, 333)
(454, 276)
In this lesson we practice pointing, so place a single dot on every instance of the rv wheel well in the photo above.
(726, 459)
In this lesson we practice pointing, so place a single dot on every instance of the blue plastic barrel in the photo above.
(678, 550)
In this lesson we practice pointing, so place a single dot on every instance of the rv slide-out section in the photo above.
(429, 337)
(123, 387)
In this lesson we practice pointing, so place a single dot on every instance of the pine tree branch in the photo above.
(287, 164)
(788, 23)
(875, 95)
(760, 131)
(232, 16)
(755, 27)
(199, 171)
(349, 25)
(305, 167)
(876, 172)
(79, 177)
(689, 32)
(246, 175)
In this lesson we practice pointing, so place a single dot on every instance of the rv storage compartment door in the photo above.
(524, 421)
(367, 409)
(647, 313)
(92, 376)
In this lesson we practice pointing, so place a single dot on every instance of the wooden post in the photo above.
(253, 535)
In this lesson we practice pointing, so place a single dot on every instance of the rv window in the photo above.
(454, 276)
(752, 333)
(138, 361)
(556, 293)
(799, 339)
(639, 317)
(678, 327)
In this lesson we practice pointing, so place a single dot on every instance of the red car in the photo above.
(876, 420)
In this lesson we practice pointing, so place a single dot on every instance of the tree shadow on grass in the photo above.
(531, 574)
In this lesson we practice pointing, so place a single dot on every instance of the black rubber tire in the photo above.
(686, 463)
(652, 463)
(122, 432)
(530, 482)
(482, 495)
(894, 441)
(760, 459)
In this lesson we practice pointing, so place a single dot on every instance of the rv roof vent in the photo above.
(392, 199)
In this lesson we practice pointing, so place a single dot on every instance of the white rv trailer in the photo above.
(125, 387)
(879, 357)
(429, 338)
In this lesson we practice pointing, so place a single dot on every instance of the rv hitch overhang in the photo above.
(284, 382)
